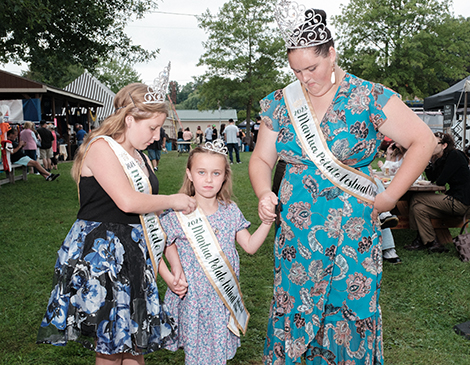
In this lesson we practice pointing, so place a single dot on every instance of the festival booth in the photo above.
(27, 100)
(454, 104)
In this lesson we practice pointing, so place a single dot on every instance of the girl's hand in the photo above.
(383, 203)
(266, 207)
(183, 203)
(181, 286)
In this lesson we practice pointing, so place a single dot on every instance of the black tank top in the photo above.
(96, 205)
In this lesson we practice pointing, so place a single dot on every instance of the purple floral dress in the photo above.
(201, 316)
(328, 261)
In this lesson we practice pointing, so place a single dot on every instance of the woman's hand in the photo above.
(267, 206)
(183, 203)
(380, 164)
(383, 203)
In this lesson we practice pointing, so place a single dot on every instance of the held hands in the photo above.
(178, 285)
(183, 203)
(266, 207)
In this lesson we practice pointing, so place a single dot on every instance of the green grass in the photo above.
(422, 299)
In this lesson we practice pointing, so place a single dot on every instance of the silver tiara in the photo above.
(217, 146)
(301, 27)
(157, 92)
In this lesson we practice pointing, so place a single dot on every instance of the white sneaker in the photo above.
(391, 256)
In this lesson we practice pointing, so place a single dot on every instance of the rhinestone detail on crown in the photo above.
(157, 92)
(217, 146)
(300, 27)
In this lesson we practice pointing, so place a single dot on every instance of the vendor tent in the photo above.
(454, 95)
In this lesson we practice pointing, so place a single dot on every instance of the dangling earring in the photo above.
(333, 75)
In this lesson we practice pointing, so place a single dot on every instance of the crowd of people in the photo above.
(319, 135)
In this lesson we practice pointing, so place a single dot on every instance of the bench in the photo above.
(183, 147)
(11, 177)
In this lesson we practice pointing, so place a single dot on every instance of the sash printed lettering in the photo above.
(154, 235)
(308, 130)
(216, 266)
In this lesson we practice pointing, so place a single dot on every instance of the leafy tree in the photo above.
(116, 74)
(408, 45)
(52, 35)
(244, 55)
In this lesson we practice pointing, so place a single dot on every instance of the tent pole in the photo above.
(464, 121)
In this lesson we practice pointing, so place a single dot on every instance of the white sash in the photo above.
(216, 267)
(308, 130)
(155, 237)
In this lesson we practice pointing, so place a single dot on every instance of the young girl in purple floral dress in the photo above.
(211, 314)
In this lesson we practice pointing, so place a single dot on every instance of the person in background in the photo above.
(214, 132)
(81, 133)
(447, 166)
(187, 137)
(17, 156)
(31, 143)
(55, 147)
(179, 138)
(199, 135)
(155, 149)
(208, 133)
(45, 148)
(393, 159)
(105, 292)
(327, 127)
(231, 139)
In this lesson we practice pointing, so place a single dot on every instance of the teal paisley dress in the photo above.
(328, 261)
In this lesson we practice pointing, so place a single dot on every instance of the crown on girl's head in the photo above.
(157, 92)
(301, 27)
(217, 146)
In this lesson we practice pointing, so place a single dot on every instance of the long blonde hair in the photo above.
(225, 193)
(128, 101)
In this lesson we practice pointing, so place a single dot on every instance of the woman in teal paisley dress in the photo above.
(328, 261)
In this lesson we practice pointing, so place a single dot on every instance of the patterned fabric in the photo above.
(328, 261)
(201, 316)
(105, 291)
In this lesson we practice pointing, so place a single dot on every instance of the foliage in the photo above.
(243, 53)
(52, 35)
(415, 47)
(116, 74)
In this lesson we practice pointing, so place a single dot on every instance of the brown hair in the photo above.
(128, 101)
(225, 193)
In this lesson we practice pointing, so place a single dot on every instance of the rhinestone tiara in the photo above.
(217, 146)
(156, 93)
(301, 27)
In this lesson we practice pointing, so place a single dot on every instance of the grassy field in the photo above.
(422, 299)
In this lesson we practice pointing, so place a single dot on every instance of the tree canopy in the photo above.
(50, 36)
(244, 55)
(416, 47)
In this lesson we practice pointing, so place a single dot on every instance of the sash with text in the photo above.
(155, 237)
(308, 130)
(216, 266)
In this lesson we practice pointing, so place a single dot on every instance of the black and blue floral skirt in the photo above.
(105, 295)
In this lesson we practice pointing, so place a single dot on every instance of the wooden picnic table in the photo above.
(441, 226)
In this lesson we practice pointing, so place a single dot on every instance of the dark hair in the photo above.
(446, 138)
(306, 33)
(11, 132)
